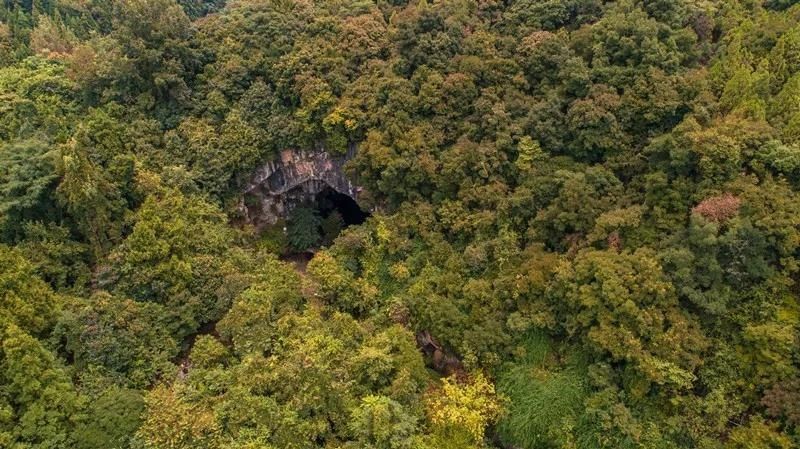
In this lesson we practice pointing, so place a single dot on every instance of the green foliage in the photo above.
(38, 101)
(89, 195)
(303, 228)
(172, 423)
(543, 404)
(273, 239)
(27, 302)
(331, 226)
(124, 337)
(111, 420)
(381, 423)
(27, 180)
(176, 254)
(605, 310)
(336, 283)
(461, 413)
(318, 379)
(59, 260)
(593, 204)
(251, 322)
(207, 352)
(199, 8)
(757, 434)
(42, 404)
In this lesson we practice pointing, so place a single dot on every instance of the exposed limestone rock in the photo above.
(294, 177)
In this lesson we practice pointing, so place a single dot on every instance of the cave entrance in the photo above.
(329, 201)
(318, 218)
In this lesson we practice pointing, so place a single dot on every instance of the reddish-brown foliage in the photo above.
(615, 241)
(783, 400)
(718, 208)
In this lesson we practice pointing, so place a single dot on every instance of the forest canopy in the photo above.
(581, 225)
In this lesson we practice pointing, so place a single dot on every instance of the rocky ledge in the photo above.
(295, 177)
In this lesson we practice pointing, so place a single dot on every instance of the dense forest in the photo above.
(584, 228)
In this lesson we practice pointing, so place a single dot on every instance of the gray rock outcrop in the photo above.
(296, 176)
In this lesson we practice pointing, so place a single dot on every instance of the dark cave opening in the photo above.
(329, 201)
(313, 222)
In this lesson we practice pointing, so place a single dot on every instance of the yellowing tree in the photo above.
(460, 412)
(172, 423)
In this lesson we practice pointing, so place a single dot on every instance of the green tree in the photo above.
(123, 336)
(27, 302)
(111, 420)
(381, 423)
(89, 196)
(460, 412)
(59, 260)
(199, 8)
(331, 226)
(251, 322)
(543, 403)
(27, 180)
(175, 255)
(174, 423)
(303, 228)
(603, 295)
(43, 404)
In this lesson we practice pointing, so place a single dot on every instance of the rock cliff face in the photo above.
(294, 177)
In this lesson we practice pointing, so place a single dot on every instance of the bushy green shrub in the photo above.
(303, 229)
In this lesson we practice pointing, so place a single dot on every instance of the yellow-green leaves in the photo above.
(463, 410)
(622, 304)
(25, 300)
